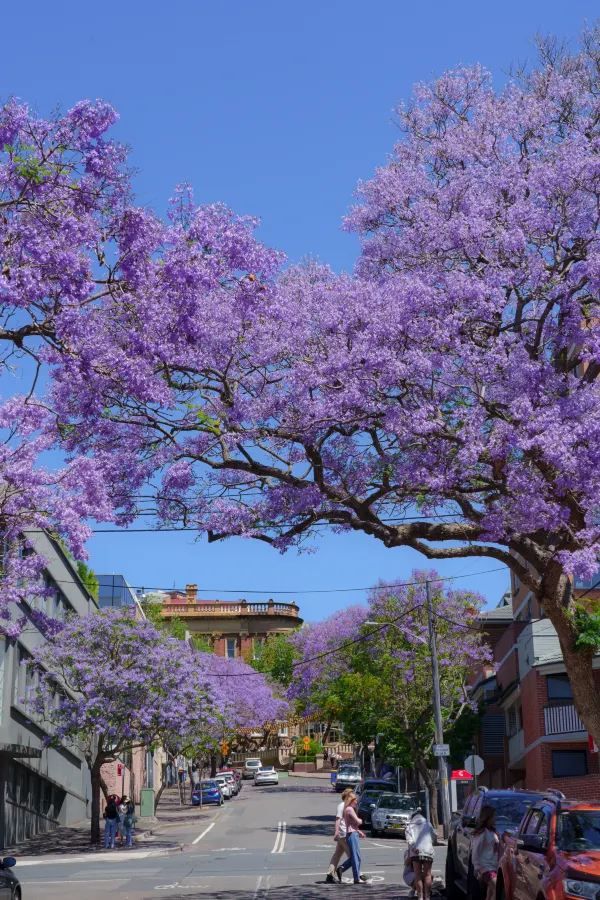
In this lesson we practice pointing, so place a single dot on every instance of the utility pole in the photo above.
(437, 713)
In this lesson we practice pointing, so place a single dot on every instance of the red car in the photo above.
(554, 855)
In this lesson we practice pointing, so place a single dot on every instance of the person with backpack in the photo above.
(126, 820)
(420, 837)
(485, 850)
(111, 821)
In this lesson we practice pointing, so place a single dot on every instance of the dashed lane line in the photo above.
(206, 830)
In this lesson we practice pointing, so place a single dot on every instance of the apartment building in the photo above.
(232, 628)
(40, 787)
(545, 744)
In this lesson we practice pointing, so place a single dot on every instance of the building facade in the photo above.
(527, 703)
(231, 628)
(40, 788)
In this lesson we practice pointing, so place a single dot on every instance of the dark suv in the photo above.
(510, 805)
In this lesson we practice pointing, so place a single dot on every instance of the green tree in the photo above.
(276, 657)
(89, 578)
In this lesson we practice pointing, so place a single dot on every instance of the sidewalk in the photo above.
(325, 776)
(74, 840)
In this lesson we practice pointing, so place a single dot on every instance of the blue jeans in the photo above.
(110, 832)
(128, 834)
(353, 846)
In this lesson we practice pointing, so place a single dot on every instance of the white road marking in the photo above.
(259, 882)
(206, 830)
(278, 838)
(96, 857)
(283, 836)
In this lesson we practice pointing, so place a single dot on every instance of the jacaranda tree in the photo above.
(107, 684)
(454, 376)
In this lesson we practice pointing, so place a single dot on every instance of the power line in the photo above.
(269, 591)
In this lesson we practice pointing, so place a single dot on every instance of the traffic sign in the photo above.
(306, 743)
(474, 764)
(441, 749)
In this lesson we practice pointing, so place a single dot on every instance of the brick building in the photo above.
(233, 628)
(528, 704)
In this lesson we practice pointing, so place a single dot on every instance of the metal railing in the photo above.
(226, 608)
(562, 719)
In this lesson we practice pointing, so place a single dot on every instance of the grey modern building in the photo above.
(40, 788)
(114, 591)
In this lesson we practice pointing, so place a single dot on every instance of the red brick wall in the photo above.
(580, 787)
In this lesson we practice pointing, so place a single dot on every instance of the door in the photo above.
(531, 865)
(464, 834)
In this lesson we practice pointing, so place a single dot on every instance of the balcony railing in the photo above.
(243, 608)
(562, 719)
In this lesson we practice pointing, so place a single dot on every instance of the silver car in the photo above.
(392, 814)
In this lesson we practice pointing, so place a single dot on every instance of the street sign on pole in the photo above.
(474, 764)
(441, 749)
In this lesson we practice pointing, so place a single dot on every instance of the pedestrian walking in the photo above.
(341, 846)
(419, 837)
(111, 821)
(353, 834)
(485, 850)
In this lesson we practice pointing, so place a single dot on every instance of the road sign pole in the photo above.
(437, 713)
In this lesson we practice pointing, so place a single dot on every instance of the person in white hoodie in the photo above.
(485, 850)
(420, 837)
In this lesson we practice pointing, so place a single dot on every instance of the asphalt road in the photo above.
(269, 843)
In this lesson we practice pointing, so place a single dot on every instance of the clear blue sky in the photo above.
(276, 108)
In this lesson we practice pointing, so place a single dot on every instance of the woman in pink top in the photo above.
(353, 833)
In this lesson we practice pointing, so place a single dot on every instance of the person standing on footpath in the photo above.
(419, 837)
(339, 837)
(353, 833)
(126, 820)
(111, 821)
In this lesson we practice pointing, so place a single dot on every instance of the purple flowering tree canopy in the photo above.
(454, 376)
(108, 683)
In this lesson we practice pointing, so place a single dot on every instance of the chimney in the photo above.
(191, 593)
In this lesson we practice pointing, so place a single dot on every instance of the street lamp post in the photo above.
(437, 713)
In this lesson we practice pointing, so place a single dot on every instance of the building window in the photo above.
(559, 687)
(569, 763)
(231, 648)
(514, 720)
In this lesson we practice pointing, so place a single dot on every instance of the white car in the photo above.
(266, 775)
(392, 814)
(226, 788)
(251, 767)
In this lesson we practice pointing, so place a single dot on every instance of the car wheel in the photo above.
(453, 892)
(17, 894)
(374, 832)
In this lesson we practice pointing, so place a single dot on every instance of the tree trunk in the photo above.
(213, 765)
(327, 731)
(96, 790)
(578, 663)
(431, 788)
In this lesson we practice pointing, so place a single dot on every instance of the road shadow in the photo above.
(314, 891)
(320, 826)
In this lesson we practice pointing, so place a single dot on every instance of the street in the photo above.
(267, 843)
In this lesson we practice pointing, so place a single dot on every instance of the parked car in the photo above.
(237, 778)
(375, 784)
(251, 767)
(207, 792)
(225, 785)
(232, 782)
(9, 883)
(366, 804)
(347, 776)
(392, 814)
(510, 806)
(555, 853)
(267, 775)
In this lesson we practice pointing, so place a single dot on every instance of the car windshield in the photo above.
(253, 762)
(267, 769)
(349, 770)
(209, 784)
(369, 796)
(579, 830)
(395, 801)
(509, 810)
